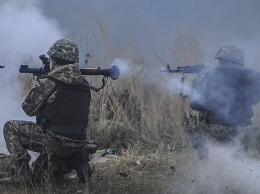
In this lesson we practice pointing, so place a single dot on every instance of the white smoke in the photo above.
(233, 21)
(225, 171)
(124, 66)
(24, 33)
(177, 84)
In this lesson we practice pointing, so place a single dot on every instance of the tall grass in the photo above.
(137, 110)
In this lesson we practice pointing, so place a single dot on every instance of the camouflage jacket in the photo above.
(226, 94)
(43, 91)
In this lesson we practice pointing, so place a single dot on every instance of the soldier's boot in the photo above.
(84, 189)
(80, 163)
(81, 166)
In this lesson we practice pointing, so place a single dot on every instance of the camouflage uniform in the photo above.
(21, 136)
(221, 101)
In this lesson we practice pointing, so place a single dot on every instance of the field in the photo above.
(140, 116)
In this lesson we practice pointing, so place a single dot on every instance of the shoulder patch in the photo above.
(38, 83)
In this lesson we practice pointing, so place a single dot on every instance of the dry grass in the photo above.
(140, 111)
(136, 112)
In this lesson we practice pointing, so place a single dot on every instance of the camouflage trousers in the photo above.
(21, 136)
(199, 131)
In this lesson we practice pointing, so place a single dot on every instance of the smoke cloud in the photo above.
(127, 68)
(124, 66)
(25, 33)
(225, 171)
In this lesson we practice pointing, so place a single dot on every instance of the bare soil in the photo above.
(113, 174)
(224, 171)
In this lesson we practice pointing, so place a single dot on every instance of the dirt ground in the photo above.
(113, 174)
(224, 171)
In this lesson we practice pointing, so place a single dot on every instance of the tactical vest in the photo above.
(69, 110)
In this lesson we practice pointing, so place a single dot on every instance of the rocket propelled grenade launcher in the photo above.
(112, 72)
(42, 72)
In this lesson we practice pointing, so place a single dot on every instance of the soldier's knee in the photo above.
(8, 127)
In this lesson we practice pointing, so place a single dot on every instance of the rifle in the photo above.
(42, 72)
(183, 70)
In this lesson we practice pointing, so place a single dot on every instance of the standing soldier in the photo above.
(221, 101)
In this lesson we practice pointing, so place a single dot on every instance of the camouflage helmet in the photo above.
(65, 50)
(231, 53)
